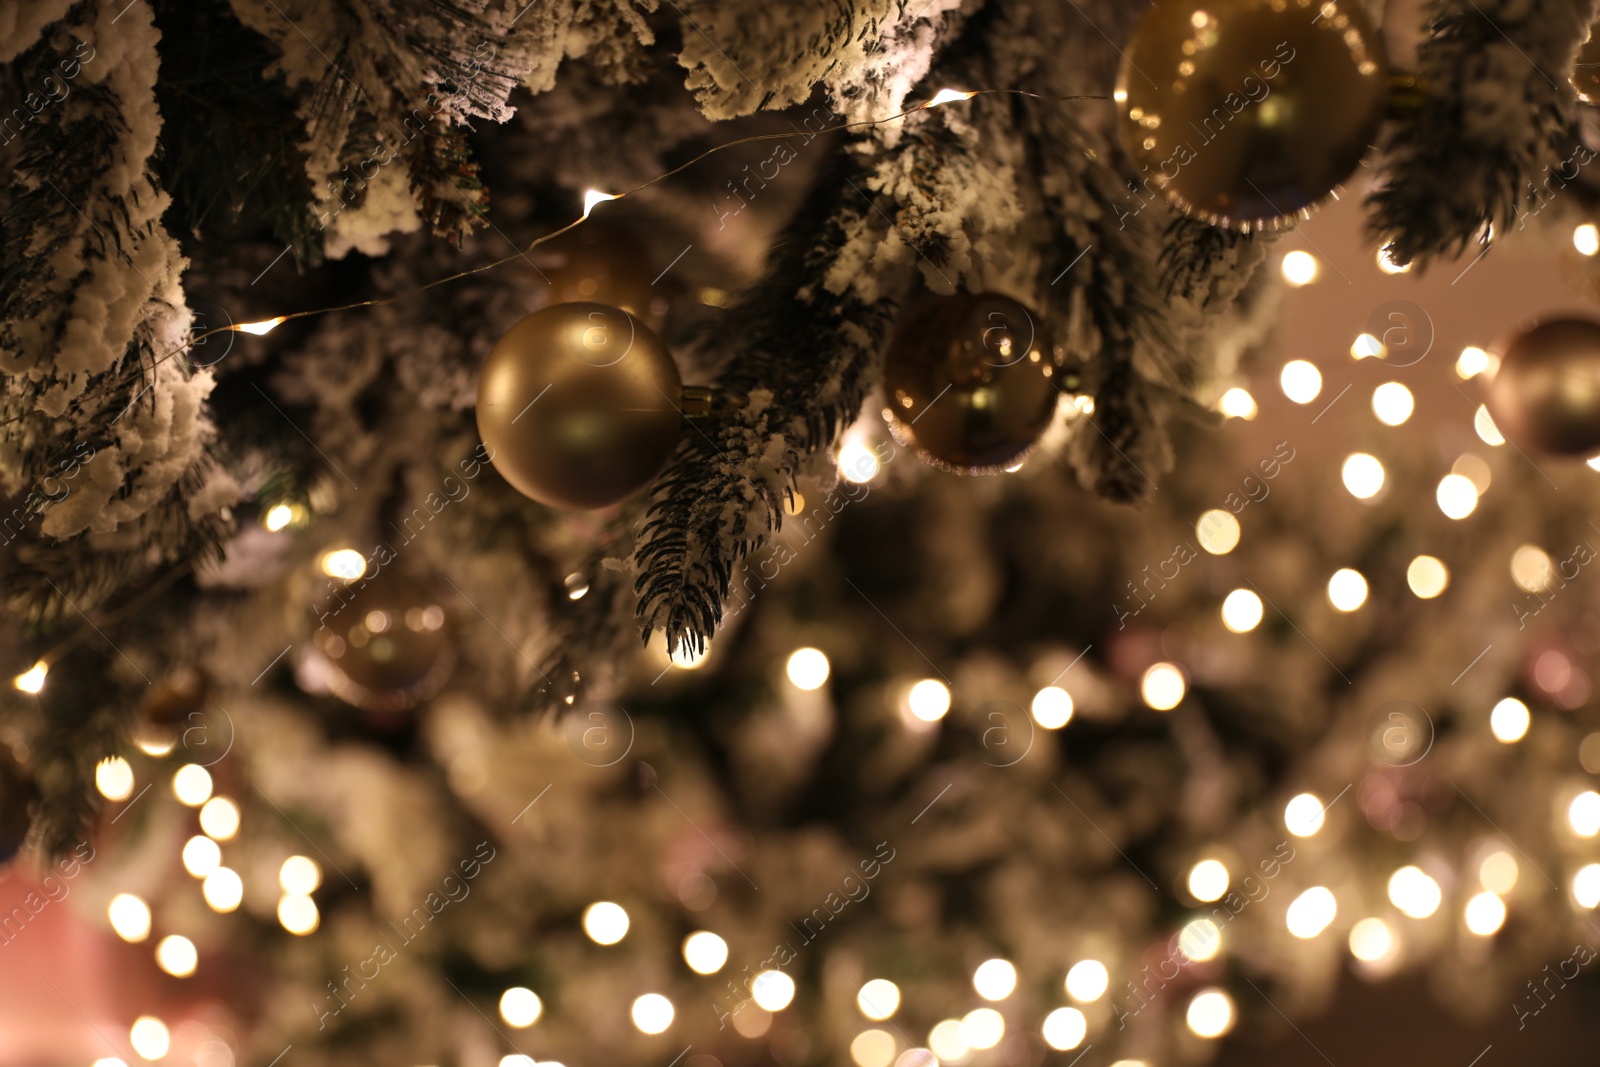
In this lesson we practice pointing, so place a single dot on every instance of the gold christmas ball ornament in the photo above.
(1249, 113)
(968, 380)
(1586, 72)
(384, 642)
(580, 405)
(1545, 394)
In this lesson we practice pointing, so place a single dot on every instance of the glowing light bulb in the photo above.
(606, 924)
(1586, 239)
(1208, 880)
(192, 785)
(1237, 403)
(223, 890)
(1210, 1013)
(873, 1048)
(1242, 611)
(1304, 815)
(994, 979)
(262, 328)
(298, 914)
(808, 668)
(1498, 873)
(1509, 721)
(1200, 940)
(1387, 264)
(278, 517)
(149, 1037)
(219, 818)
(858, 464)
(1300, 381)
(1052, 707)
(1472, 362)
(1586, 886)
(1299, 268)
(1311, 912)
(1457, 496)
(1064, 1029)
(177, 956)
(1485, 914)
(1483, 424)
(1366, 346)
(772, 990)
(591, 199)
(948, 96)
(929, 700)
(1347, 590)
(878, 999)
(705, 952)
(1531, 569)
(653, 1013)
(1363, 475)
(947, 1041)
(1371, 940)
(344, 563)
(113, 777)
(1583, 814)
(1427, 576)
(1414, 892)
(1087, 981)
(1218, 531)
(1392, 403)
(299, 875)
(201, 856)
(520, 1007)
(32, 679)
(130, 917)
(1163, 686)
(983, 1028)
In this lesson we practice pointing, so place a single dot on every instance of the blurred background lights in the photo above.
(1299, 268)
(1052, 707)
(32, 679)
(983, 1027)
(1208, 880)
(1311, 912)
(652, 1013)
(177, 956)
(1064, 1029)
(298, 914)
(1487, 431)
(1414, 892)
(130, 917)
(1472, 362)
(929, 700)
(1366, 346)
(1474, 470)
(223, 890)
(1485, 914)
(344, 563)
(606, 924)
(1583, 814)
(277, 517)
(1218, 532)
(1371, 940)
(201, 856)
(1586, 886)
(1457, 496)
(520, 1007)
(1087, 981)
(1347, 589)
(517, 1059)
(113, 777)
(772, 990)
(1530, 569)
(1498, 873)
(1300, 381)
(857, 463)
(299, 875)
(1304, 815)
(878, 999)
(1210, 1013)
(1237, 403)
(1509, 721)
(994, 979)
(110, 1061)
(192, 785)
(873, 1048)
(1586, 239)
(219, 818)
(1363, 475)
(1392, 403)
(1242, 611)
(1163, 686)
(1387, 264)
(947, 1041)
(705, 952)
(808, 668)
(1200, 940)
(149, 1037)
(1427, 576)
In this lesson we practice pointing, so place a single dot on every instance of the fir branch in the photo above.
(1199, 262)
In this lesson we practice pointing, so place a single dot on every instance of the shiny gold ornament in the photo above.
(1248, 113)
(385, 642)
(968, 382)
(580, 405)
(1545, 395)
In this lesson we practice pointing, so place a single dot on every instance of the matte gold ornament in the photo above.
(968, 382)
(385, 643)
(1586, 73)
(1545, 395)
(1248, 113)
(580, 405)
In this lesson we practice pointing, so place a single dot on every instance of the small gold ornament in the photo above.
(1545, 394)
(385, 642)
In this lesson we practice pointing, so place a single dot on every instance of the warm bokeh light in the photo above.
(1237, 403)
(1457, 496)
(345, 564)
(808, 668)
(1300, 381)
(1392, 403)
(278, 517)
(994, 979)
(1363, 475)
(983, 1027)
(772, 990)
(929, 700)
(201, 856)
(177, 956)
(32, 679)
(1299, 268)
(219, 818)
(1586, 886)
(1200, 940)
(113, 777)
(857, 463)
(192, 785)
(878, 999)
(1531, 569)
(606, 923)
(1485, 914)
(1163, 686)
(1427, 576)
(298, 914)
(130, 917)
(1387, 264)
(1366, 346)
(223, 890)
(1087, 981)
(1498, 873)
(262, 328)
(1064, 1028)
(1414, 892)
(1311, 912)
(873, 1048)
(947, 1041)
(1052, 707)
(1487, 431)
(1218, 531)
(1210, 1013)
(1509, 721)
(299, 875)
(1583, 814)
(1472, 362)
(1371, 940)
(705, 952)
(1586, 239)
(1474, 470)
(1347, 590)
(1242, 611)
(653, 1013)
(149, 1037)
(1304, 815)
(1208, 880)
(520, 1007)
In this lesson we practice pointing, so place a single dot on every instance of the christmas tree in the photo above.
(893, 532)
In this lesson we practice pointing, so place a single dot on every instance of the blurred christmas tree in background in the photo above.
(1112, 554)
